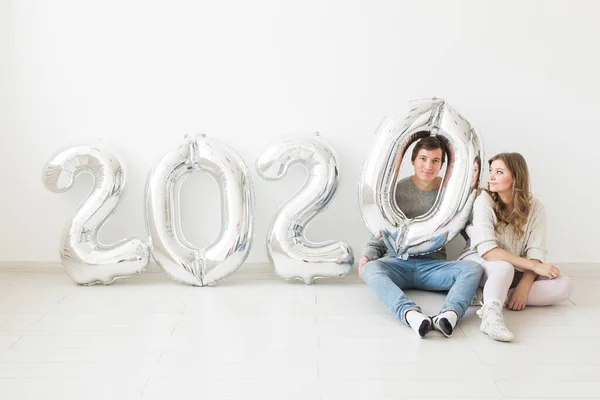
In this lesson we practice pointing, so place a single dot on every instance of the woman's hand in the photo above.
(363, 260)
(518, 298)
(548, 270)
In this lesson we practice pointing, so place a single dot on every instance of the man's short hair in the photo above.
(428, 143)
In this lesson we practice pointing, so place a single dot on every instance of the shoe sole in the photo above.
(497, 339)
(425, 327)
(444, 327)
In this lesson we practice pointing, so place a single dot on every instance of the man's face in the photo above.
(427, 164)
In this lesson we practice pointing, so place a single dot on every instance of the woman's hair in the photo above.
(517, 166)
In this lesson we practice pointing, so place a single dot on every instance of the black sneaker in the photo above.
(442, 325)
(425, 327)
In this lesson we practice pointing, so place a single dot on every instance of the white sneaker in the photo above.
(492, 322)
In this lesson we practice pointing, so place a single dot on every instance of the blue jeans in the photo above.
(387, 276)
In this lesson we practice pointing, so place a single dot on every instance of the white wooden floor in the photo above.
(255, 336)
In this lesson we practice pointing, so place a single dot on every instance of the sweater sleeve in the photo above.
(535, 249)
(481, 232)
(374, 249)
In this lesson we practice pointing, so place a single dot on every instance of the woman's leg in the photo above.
(496, 280)
(546, 292)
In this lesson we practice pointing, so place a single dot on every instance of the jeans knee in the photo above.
(372, 269)
(473, 269)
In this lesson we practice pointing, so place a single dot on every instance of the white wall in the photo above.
(141, 74)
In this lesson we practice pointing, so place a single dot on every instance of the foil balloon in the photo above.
(180, 259)
(86, 260)
(294, 256)
(464, 149)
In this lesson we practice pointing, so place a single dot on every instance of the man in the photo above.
(387, 275)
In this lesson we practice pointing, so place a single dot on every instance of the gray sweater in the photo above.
(413, 202)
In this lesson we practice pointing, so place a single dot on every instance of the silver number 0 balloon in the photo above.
(291, 253)
(180, 259)
(85, 259)
(447, 217)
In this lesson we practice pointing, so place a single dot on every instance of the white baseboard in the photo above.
(54, 266)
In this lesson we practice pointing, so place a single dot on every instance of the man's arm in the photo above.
(374, 249)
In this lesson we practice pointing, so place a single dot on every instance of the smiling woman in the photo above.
(507, 235)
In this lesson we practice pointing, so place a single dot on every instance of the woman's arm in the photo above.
(499, 254)
(484, 240)
(518, 298)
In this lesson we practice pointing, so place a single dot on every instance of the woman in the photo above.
(507, 236)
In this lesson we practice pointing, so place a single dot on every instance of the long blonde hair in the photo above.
(521, 195)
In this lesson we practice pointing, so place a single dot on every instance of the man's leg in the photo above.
(387, 277)
(460, 278)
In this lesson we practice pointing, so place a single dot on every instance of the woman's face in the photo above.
(500, 179)
(475, 178)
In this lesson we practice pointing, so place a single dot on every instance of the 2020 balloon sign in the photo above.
(88, 262)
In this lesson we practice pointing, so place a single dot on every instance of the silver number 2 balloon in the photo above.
(180, 259)
(381, 214)
(291, 253)
(85, 259)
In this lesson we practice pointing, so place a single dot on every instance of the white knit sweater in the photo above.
(483, 238)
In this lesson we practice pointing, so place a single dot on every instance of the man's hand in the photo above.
(518, 298)
(363, 260)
